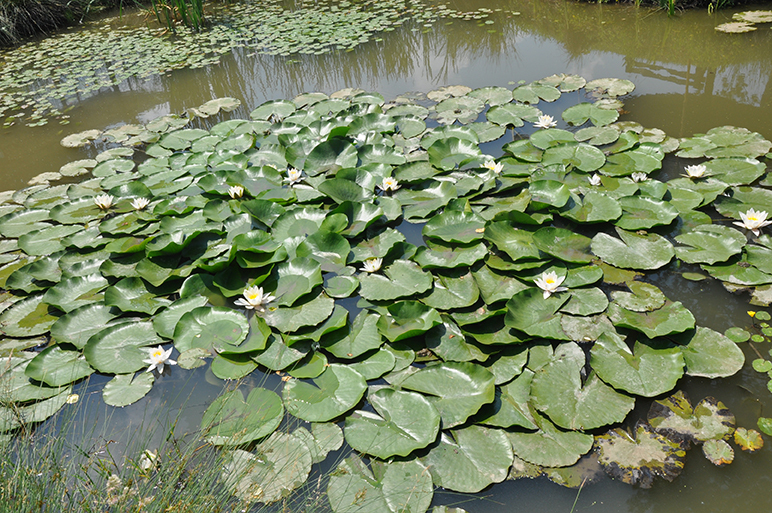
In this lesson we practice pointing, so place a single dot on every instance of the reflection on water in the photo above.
(689, 79)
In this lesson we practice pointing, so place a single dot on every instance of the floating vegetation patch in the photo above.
(39, 80)
(745, 21)
(520, 326)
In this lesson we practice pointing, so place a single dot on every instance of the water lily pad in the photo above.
(710, 354)
(119, 348)
(669, 319)
(530, 312)
(457, 389)
(611, 86)
(281, 464)
(305, 313)
(648, 370)
(557, 390)
(405, 319)
(469, 459)
(447, 154)
(391, 487)
(211, 328)
(334, 392)
(709, 420)
(56, 367)
(708, 244)
(549, 446)
(134, 295)
(403, 279)
(532, 93)
(634, 251)
(718, 452)
(403, 422)
(72, 293)
(27, 318)
(126, 389)
(512, 114)
(641, 456)
(231, 420)
(579, 114)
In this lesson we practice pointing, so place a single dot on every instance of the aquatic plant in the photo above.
(31, 90)
(517, 329)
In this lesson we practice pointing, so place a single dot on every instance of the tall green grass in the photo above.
(65, 466)
(188, 12)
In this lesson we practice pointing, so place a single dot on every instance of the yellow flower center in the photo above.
(753, 218)
(157, 353)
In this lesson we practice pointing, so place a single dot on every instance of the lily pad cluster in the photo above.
(522, 326)
(41, 79)
(745, 21)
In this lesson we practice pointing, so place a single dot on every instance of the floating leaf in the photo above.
(126, 389)
(640, 457)
(391, 487)
(557, 390)
(469, 459)
(709, 420)
(334, 392)
(231, 420)
(402, 423)
(283, 464)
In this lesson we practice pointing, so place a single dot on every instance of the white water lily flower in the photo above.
(236, 191)
(372, 264)
(753, 220)
(254, 298)
(639, 177)
(496, 167)
(594, 179)
(545, 121)
(389, 184)
(158, 358)
(104, 201)
(550, 283)
(293, 176)
(695, 171)
(139, 203)
(148, 460)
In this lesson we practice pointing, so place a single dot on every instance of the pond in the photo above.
(688, 79)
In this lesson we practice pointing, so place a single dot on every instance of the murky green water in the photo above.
(688, 79)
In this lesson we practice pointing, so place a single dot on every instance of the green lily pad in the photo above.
(56, 367)
(134, 295)
(402, 422)
(211, 328)
(667, 320)
(647, 370)
(634, 251)
(579, 114)
(457, 389)
(708, 244)
(557, 390)
(710, 354)
(549, 446)
(231, 420)
(281, 464)
(391, 487)
(333, 393)
(126, 389)
(469, 459)
(75, 292)
(403, 279)
(718, 452)
(120, 348)
(27, 318)
(405, 319)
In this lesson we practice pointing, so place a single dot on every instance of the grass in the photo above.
(62, 467)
